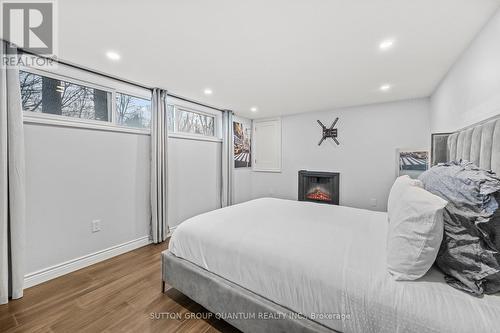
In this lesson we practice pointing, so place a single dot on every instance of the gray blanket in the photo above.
(469, 254)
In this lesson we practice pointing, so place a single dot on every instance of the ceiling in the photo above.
(282, 56)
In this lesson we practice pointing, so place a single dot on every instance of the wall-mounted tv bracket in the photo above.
(329, 132)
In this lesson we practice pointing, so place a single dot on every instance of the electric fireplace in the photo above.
(322, 187)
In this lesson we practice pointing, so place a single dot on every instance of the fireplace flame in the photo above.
(319, 195)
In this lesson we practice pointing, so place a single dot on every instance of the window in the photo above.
(170, 117)
(53, 95)
(183, 120)
(63, 98)
(133, 111)
(57, 97)
(194, 123)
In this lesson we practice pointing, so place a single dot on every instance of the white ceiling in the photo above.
(284, 56)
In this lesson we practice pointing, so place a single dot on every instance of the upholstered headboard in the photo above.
(479, 144)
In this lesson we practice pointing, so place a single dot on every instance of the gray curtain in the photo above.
(159, 169)
(227, 159)
(12, 187)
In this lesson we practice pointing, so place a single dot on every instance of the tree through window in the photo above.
(133, 111)
(52, 96)
(194, 122)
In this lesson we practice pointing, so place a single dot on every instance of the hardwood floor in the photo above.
(122, 294)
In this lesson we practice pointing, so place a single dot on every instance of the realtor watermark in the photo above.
(30, 26)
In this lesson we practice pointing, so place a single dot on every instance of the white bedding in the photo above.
(322, 260)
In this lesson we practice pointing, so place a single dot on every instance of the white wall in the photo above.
(194, 178)
(366, 157)
(242, 177)
(74, 176)
(471, 90)
(242, 185)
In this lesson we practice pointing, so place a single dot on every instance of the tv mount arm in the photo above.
(330, 132)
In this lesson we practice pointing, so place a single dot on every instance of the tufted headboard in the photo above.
(479, 144)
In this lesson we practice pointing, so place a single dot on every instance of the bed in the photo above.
(272, 265)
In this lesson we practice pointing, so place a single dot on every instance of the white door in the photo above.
(267, 145)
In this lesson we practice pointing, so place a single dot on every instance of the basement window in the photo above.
(51, 95)
(74, 98)
(170, 117)
(191, 122)
(133, 111)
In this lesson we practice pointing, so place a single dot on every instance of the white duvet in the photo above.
(328, 263)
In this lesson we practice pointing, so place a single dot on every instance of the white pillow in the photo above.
(415, 230)
(400, 185)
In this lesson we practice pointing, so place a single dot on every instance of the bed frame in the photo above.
(221, 296)
(479, 144)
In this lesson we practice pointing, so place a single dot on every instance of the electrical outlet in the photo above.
(373, 202)
(96, 225)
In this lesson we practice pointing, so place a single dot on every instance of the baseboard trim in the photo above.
(49, 273)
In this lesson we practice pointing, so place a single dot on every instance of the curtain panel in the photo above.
(227, 159)
(12, 181)
(159, 166)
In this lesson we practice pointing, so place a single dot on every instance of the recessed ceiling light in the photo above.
(385, 87)
(208, 91)
(254, 109)
(113, 55)
(386, 44)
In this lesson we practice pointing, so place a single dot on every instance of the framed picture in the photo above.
(242, 145)
(439, 150)
(412, 162)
